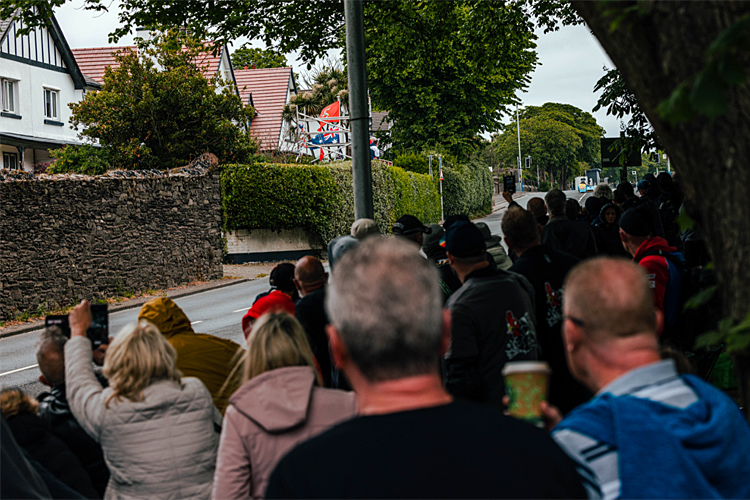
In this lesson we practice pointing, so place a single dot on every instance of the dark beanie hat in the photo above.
(464, 239)
(635, 222)
(452, 219)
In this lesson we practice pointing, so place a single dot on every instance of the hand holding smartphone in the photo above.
(509, 183)
(97, 331)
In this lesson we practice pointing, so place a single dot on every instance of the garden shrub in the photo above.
(413, 162)
(83, 159)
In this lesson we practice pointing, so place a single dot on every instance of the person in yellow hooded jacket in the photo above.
(210, 359)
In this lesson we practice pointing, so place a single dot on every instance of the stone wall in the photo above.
(68, 237)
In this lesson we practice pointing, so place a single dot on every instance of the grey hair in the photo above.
(51, 341)
(385, 304)
(604, 191)
(555, 200)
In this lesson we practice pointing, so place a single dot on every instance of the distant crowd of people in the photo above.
(383, 378)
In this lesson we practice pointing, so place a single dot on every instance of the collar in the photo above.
(485, 272)
(559, 217)
(637, 379)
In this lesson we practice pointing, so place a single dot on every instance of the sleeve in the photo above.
(233, 476)
(462, 359)
(591, 247)
(84, 392)
(657, 275)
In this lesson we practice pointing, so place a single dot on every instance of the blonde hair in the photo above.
(138, 356)
(15, 401)
(277, 341)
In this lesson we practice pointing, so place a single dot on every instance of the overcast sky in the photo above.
(571, 59)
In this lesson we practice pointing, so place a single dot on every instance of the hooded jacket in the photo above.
(267, 417)
(664, 278)
(608, 235)
(209, 359)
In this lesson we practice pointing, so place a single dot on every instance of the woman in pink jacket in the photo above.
(279, 405)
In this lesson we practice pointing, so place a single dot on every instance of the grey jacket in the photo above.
(161, 447)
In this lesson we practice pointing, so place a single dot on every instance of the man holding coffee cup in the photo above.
(649, 432)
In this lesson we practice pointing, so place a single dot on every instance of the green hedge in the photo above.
(467, 189)
(319, 198)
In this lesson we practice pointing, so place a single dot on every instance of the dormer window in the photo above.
(51, 99)
(9, 95)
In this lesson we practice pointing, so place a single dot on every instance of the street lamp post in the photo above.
(520, 172)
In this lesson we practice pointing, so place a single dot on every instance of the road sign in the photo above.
(612, 158)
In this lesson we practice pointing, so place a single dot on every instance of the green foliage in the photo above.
(561, 139)
(447, 71)
(85, 159)
(705, 93)
(146, 117)
(413, 162)
(328, 84)
(736, 336)
(467, 188)
(319, 198)
(260, 58)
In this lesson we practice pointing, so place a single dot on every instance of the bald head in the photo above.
(611, 297)
(309, 275)
(536, 206)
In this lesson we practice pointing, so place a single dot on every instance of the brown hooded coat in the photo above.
(205, 357)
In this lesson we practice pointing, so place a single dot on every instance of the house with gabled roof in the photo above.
(268, 90)
(39, 77)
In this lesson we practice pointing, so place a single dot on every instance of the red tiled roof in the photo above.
(93, 61)
(268, 87)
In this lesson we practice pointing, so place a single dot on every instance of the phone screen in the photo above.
(98, 332)
(60, 321)
(509, 183)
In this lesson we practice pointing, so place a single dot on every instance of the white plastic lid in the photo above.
(526, 367)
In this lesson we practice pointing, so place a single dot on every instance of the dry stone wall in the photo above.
(64, 238)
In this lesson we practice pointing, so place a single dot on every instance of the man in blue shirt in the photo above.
(649, 432)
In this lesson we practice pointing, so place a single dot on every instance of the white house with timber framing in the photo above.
(39, 77)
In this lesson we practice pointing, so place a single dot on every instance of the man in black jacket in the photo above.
(55, 411)
(546, 270)
(563, 234)
(493, 320)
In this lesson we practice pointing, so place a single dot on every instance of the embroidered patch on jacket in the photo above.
(522, 335)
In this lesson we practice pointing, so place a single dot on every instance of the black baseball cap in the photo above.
(408, 224)
(281, 277)
(636, 222)
(464, 239)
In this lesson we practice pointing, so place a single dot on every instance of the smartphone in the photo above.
(60, 321)
(509, 183)
(98, 332)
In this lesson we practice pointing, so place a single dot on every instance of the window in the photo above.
(10, 161)
(50, 103)
(9, 95)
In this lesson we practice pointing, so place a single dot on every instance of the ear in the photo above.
(339, 354)
(296, 284)
(451, 259)
(445, 340)
(659, 321)
(507, 242)
(571, 335)
(44, 380)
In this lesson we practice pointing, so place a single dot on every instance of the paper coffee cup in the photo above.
(526, 384)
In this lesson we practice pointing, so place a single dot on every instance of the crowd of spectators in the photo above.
(383, 378)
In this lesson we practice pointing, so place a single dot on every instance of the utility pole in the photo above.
(518, 128)
(359, 111)
(442, 208)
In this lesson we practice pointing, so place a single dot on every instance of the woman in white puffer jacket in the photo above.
(156, 429)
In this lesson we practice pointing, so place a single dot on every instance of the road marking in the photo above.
(243, 309)
(18, 370)
(196, 322)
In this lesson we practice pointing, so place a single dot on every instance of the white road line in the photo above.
(196, 322)
(243, 309)
(18, 370)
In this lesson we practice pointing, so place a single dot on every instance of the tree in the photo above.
(258, 58)
(446, 71)
(561, 139)
(686, 64)
(162, 117)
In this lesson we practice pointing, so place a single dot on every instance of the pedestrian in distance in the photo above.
(281, 279)
(494, 249)
(206, 357)
(650, 432)
(281, 403)
(274, 301)
(433, 247)
(607, 230)
(411, 440)
(563, 234)
(157, 429)
(411, 229)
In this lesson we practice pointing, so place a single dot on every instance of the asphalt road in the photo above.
(218, 312)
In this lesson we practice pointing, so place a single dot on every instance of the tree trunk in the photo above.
(657, 46)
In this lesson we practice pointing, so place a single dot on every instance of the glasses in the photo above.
(578, 322)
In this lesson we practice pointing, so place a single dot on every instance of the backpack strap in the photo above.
(667, 255)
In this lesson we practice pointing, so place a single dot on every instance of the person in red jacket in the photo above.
(664, 276)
